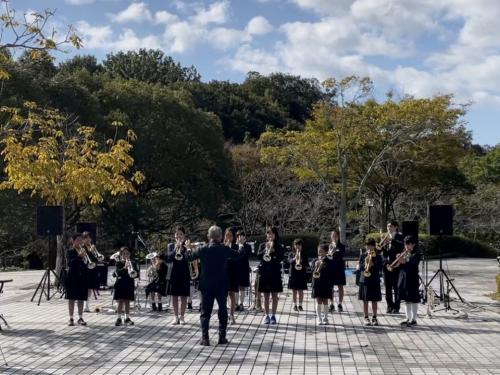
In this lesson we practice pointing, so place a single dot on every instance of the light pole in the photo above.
(369, 204)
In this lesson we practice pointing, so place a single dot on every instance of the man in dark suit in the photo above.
(214, 282)
(394, 245)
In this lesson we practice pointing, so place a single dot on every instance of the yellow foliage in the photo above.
(43, 158)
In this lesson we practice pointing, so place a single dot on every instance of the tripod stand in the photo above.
(44, 284)
(442, 276)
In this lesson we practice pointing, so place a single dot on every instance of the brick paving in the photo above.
(39, 342)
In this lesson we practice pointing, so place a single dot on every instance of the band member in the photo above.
(336, 252)
(180, 280)
(391, 246)
(245, 251)
(408, 282)
(125, 272)
(270, 255)
(297, 280)
(322, 283)
(214, 282)
(76, 283)
(233, 270)
(157, 282)
(370, 265)
(92, 273)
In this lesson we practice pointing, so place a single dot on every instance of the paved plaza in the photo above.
(39, 341)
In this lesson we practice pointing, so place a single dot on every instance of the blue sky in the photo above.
(417, 47)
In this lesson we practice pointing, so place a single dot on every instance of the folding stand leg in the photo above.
(3, 356)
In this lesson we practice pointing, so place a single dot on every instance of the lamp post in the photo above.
(369, 204)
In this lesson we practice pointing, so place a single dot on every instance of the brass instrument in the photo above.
(151, 256)
(318, 267)
(115, 256)
(298, 260)
(96, 253)
(332, 250)
(369, 263)
(383, 240)
(194, 270)
(395, 263)
(130, 269)
(152, 273)
(178, 248)
(86, 259)
(269, 249)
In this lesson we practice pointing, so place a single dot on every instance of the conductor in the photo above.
(214, 282)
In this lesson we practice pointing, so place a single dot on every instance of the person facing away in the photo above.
(214, 282)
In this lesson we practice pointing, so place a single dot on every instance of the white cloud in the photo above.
(80, 2)
(182, 36)
(164, 17)
(94, 37)
(252, 59)
(217, 13)
(258, 26)
(135, 12)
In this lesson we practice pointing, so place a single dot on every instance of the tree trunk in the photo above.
(61, 253)
(343, 199)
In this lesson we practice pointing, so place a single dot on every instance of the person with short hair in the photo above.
(336, 252)
(157, 282)
(408, 282)
(92, 273)
(391, 247)
(322, 283)
(244, 268)
(76, 279)
(214, 282)
(233, 269)
(370, 265)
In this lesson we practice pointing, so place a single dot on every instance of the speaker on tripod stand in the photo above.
(441, 224)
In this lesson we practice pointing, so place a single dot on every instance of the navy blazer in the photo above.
(213, 260)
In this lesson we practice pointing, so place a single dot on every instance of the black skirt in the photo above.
(297, 279)
(338, 272)
(93, 278)
(233, 270)
(408, 288)
(370, 292)
(124, 289)
(244, 273)
(270, 278)
(180, 280)
(76, 286)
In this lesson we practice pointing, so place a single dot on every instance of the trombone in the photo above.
(383, 240)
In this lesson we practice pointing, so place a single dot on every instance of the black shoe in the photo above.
(190, 306)
(367, 321)
(237, 308)
(81, 322)
(153, 306)
(332, 308)
(129, 322)
(118, 322)
(295, 308)
(300, 308)
(160, 307)
(395, 311)
(412, 323)
(374, 321)
(222, 340)
(242, 308)
(404, 322)
(339, 307)
(205, 341)
(71, 322)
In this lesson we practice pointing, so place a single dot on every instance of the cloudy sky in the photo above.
(418, 47)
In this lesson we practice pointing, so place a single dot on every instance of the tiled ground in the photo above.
(39, 342)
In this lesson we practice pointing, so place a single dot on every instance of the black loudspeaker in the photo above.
(441, 220)
(88, 227)
(49, 220)
(410, 228)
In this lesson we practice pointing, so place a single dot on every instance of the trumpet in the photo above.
(96, 253)
(130, 269)
(317, 268)
(178, 248)
(395, 263)
(383, 240)
(269, 249)
(298, 260)
(369, 263)
(331, 250)
(86, 259)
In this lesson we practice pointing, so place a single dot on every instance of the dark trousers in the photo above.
(391, 288)
(207, 304)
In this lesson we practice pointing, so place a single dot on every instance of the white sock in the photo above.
(318, 309)
(87, 304)
(119, 315)
(408, 311)
(242, 297)
(414, 309)
(126, 316)
(236, 298)
(325, 310)
(80, 316)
